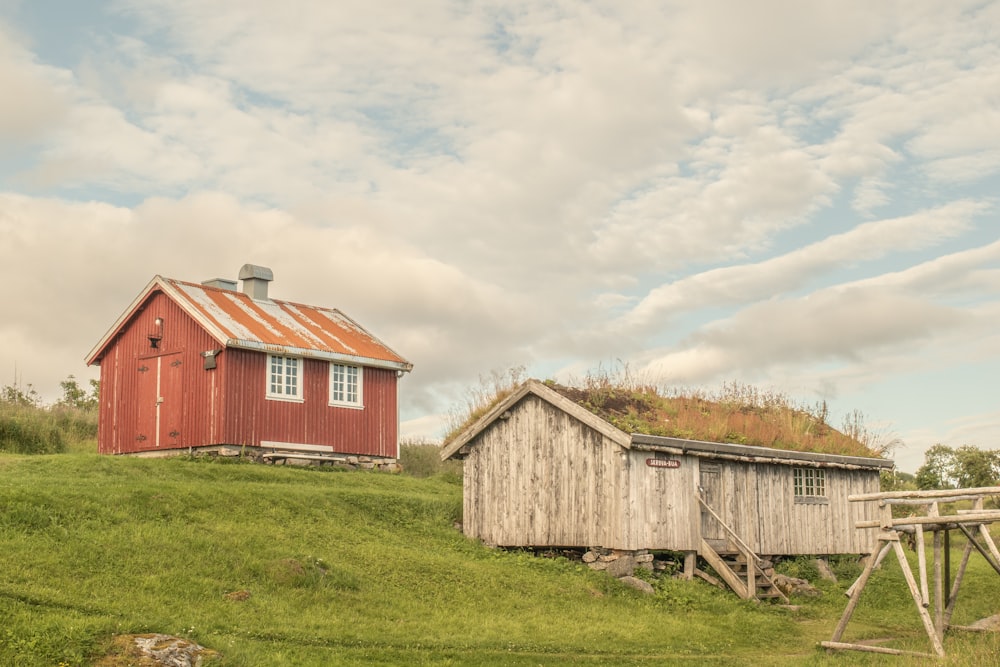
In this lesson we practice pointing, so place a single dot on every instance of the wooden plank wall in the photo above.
(760, 507)
(542, 478)
(663, 511)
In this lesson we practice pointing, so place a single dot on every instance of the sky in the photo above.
(798, 196)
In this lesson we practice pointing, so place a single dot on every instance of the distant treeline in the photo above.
(27, 426)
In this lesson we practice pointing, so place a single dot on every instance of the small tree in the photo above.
(74, 396)
(937, 472)
(976, 467)
(15, 395)
(963, 467)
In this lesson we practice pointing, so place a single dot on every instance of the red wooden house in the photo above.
(203, 366)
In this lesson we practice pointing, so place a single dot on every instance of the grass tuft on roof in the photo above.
(737, 413)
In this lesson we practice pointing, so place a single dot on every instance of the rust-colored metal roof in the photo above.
(237, 320)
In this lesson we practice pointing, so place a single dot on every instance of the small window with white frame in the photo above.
(284, 380)
(810, 485)
(346, 385)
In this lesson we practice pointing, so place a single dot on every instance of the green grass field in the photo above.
(358, 568)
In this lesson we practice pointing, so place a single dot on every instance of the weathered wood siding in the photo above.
(539, 476)
(758, 502)
(662, 511)
(542, 478)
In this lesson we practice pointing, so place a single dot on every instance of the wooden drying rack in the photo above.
(972, 523)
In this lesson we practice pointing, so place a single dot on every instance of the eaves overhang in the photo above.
(755, 454)
(289, 351)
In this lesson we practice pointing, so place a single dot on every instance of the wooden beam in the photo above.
(989, 542)
(857, 589)
(940, 494)
(922, 565)
(877, 561)
(938, 587)
(982, 550)
(873, 649)
(904, 565)
(953, 595)
(987, 516)
(690, 563)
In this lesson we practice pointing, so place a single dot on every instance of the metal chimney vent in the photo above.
(255, 279)
(221, 283)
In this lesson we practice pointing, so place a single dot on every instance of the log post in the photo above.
(953, 596)
(690, 563)
(904, 565)
(922, 564)
(859, 585)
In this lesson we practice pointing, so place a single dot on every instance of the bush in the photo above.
(422, 459)
(29, 430)
(27, 426)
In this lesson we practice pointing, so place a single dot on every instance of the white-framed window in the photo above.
(810, 485)
(284, 379)
(346, 385)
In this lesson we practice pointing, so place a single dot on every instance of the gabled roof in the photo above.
(640, 441)
(236, 320)
(541, 391)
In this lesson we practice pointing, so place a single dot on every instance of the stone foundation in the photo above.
(345, 461)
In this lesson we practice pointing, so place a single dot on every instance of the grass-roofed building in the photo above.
(552, 466)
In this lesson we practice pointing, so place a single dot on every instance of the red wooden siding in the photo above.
(135, 376)
(164, 398)
(251, 418)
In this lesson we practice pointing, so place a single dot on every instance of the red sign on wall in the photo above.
(663, 463)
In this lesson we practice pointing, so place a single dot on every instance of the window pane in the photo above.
(345, 384)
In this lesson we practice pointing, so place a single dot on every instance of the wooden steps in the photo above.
(743, 575)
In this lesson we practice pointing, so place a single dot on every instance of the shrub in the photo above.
(29, 430)
(422, 459)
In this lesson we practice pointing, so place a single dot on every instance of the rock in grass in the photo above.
(638, 584)
(156, 649)
(623, 566)
(794, 586)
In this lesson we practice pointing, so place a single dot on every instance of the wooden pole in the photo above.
(953, 596)
(947, 560)
(859, 586)
(932, 510)
(985, 516)
(938, 586)
(874, 649)
(922, 565)
(987, 556)
(941, 494)
(690, 563)
(904, 565)
(877, 560)
(984, 531)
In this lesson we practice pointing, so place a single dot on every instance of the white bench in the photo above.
(281, 451)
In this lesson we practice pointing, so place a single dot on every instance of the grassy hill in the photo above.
(334, 568)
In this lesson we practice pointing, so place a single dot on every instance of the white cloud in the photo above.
(485, 184)
(786, 273)
(427, 310)
(35, 101)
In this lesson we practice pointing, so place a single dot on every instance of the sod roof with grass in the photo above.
(737, 414)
